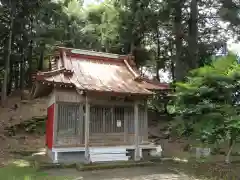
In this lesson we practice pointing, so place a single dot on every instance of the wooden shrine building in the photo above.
(97, 107)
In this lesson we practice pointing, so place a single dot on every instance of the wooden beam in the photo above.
(110, 103)
(87, 121)
(136, 128)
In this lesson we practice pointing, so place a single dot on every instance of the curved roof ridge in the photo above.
(91, 53)
(50, 73)
(129, 67)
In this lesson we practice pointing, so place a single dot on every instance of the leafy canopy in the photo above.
(207, 104)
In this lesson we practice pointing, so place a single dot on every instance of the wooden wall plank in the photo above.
(69, 96)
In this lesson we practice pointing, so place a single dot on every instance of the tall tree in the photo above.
(178, 31)
(193, 35)
(12, 7)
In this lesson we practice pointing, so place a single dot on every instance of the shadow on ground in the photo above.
(158, 172)
(169, 170)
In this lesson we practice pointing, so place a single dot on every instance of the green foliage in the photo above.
(207, 104)
(145, 28)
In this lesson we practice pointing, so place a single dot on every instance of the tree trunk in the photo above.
(11, 78)
(231, 144)
(21, 69)
(7, 62)
(30, 63)
(193, 36)
(179, 64)
(172, 66)
(132, 48)
(173, 71)
(21, 74)
(135, 40)
(16, 75)
(158, 63)
(29, 58)
(41, 60)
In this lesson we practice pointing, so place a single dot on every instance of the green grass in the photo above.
(21, 170)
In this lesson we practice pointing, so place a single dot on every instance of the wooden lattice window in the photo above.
(118, 119)
(96, 119)
(106, 119)
(68, 118)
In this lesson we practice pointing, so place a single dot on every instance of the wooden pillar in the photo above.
(136, 130)
(145, 138)
(87, 121)
(125, 125)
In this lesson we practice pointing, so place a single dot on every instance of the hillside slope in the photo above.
(17, 110)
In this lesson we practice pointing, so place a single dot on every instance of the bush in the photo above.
(207, 104)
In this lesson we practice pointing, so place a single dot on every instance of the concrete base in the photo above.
(98, 154)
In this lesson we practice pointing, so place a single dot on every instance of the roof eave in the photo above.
(68, 85)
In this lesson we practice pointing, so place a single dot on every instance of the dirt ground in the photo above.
(139, 173)
(15, 112)
(23, 142)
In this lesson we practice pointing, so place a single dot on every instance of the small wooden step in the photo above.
(108, 154)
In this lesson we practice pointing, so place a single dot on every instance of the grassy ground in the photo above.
(179, 168)
(191, 169)
(21, 171)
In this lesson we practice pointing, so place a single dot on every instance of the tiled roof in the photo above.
(97, 72)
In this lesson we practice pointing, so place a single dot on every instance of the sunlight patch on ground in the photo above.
(39, 154)
(21, 163)
(163, 176)
(42, 150)
(79, 178)
(180, 159)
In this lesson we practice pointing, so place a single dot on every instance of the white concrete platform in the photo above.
(77, 149)
(98, 154)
